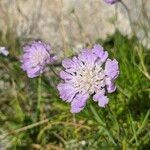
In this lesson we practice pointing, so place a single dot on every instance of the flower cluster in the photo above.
(91, 73)
(35, 58)
(111, 1)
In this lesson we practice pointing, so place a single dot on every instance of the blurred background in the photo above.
(70, 25)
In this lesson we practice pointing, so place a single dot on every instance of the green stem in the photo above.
(103, 125)
(114, 118)
(39, 98)
(142, 126)
(74, 121)
(144, 71)
(133, 129)
(51, 68)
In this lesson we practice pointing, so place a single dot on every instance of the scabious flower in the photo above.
(36, 57)
(91, 73)
(4, 51)
(111, 1)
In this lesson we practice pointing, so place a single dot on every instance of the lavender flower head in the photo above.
(36, 57)
(91, 73)
(111, 1)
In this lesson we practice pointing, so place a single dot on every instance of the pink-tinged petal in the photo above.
(87, 57)
(103, 101)
(111, 88)
(66, 91)
(26, 65)
(96, 96)
(77, 62)
(79, 102)
(66, 76)
(110, 85)
(99, 51)
(67, 63)
(112, 68)
(71, 71)
(101, 98)
(34, 72)
(25, 56)
(38, 43)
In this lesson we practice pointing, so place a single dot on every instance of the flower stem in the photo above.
(145, 121)
(74, 121)
(39, 98)
(51, 68)
(114, 118)
(103, 125)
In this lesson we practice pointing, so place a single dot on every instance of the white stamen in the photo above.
(89, 79)
(39, 57)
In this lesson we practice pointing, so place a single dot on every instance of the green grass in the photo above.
(123, 124)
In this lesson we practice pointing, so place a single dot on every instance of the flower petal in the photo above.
(67, 63)
(79, 102)
(112, 68)
(66, 91)
(99, 51)
(101, 98)
(103, 101)
(110, 85)
(34, 72)
(88, 57)
(66, 76)
(96, 96)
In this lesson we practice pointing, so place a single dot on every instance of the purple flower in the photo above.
(111, 1)
(35, 58)
(4, 51)
(91, 73)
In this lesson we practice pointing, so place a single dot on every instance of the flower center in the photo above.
(38, 58)
(89, 79)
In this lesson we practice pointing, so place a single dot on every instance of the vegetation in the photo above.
(123, 124)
